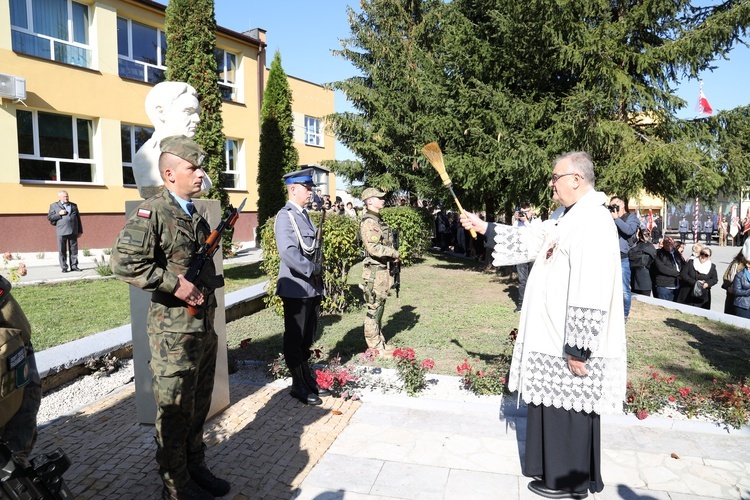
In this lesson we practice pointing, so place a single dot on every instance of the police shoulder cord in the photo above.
(306, 249)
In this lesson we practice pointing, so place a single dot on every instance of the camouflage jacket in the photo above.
(159, 242)
(11, 315)
(377, 239)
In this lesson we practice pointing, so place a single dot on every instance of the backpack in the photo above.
(637, 257)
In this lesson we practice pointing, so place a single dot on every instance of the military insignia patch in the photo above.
(374, 238)
(144, 213)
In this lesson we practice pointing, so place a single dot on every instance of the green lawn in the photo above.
(449, 309)
(62, 312)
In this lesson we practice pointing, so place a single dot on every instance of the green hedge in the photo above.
(341, 251)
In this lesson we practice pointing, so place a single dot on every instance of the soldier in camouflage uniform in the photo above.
(153, 252)
(377, 239)
(22, 387)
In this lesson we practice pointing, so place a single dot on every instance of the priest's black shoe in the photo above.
(311, 382)
(187, 492)
(538, 487)
(204, 478)
(300, 390)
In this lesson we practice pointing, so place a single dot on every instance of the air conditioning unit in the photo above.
(12, 87)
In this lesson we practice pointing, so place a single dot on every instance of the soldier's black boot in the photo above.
(310, 381)
(300, 389)
(204, 478)
(190, 491)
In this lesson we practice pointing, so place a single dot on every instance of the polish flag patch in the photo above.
(142, 212)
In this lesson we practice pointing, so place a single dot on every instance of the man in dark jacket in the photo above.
(627, 224)
(65, 217)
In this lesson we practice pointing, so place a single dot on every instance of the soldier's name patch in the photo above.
(145, 213)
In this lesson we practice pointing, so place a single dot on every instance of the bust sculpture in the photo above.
(174, 110)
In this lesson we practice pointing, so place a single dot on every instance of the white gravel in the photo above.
(70, 397)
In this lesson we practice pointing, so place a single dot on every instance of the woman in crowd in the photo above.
(741, 284)
(737, 264)
(698, 276)
(667, 268)
(642, 258)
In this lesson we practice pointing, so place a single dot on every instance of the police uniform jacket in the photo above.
(296, 267)
(377, 239)
(160, 241)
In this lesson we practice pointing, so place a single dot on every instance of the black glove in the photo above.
(317, 269)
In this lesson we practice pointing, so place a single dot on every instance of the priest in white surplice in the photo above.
(569, 362)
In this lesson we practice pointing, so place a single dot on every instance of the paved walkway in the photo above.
(269, 446)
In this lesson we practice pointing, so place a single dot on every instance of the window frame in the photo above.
(311, 136)
(133, 149)
(85, 47)
(236, 172)
(92, 162)
(223, 81)
(161, 53)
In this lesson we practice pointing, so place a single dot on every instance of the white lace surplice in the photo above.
(574, 297)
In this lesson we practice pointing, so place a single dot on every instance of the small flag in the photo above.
(703, 107)
(650, 219)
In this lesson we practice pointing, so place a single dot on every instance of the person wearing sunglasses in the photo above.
(698, 276)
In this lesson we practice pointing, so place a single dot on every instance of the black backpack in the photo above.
(637, 257)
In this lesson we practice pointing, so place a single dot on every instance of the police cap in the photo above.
(183, 147)
(304, 177)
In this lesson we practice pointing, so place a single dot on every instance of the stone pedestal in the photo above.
(139, 304)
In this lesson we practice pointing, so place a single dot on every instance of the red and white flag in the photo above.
(703, 107)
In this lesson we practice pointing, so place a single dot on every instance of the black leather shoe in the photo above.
(65, 270)
(300, 390)
(75, 269)
(190, 491)
(538, 487)
(204, 478)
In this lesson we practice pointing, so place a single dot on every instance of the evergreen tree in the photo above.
(505, 87)
(278, 156)
(190, 27)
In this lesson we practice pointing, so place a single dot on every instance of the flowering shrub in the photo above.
(483, 383)
(728, 403)
(493, 380)
(12, 273)
(733, 403)
(338, 379)
(410, 371)
(278, 368)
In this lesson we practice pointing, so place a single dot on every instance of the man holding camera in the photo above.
(523, 218)
(627, 225)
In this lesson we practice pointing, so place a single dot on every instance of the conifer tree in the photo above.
(505, 87)
(190, 27)
(278, 156)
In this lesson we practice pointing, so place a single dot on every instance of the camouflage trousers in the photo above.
(183, 367)
(376, 285)
(20, 432)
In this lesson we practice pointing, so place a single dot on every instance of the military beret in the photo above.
(370, 192)
(183, 147)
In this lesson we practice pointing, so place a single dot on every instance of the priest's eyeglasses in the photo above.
(556, 177)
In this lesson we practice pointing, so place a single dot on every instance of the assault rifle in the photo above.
(207, 251)
(395, 267)
(318, 245)
(41, 480)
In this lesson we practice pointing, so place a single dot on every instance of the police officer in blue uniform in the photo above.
(300, 284)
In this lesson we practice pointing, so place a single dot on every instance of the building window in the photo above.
(132, 137)
(53, 29)
(55, 148)
(226, 64)
(142, 51)
(232, 179)
(313, 131)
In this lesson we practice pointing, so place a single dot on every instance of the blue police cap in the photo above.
(304, 177)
